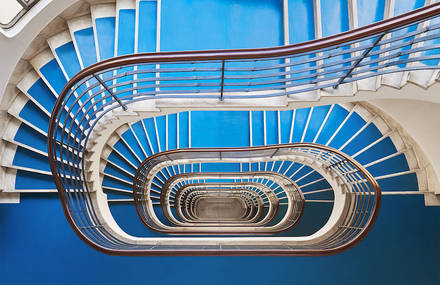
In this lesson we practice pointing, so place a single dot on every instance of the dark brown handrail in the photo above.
(250, 215)
(182, 190)
(253, 53)
(256, 53)
(224, 229)
(346, 159)
(190, 192)
(211, 55)
(371, 219)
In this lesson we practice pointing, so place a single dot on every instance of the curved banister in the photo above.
(236, 54)
(269, 52)
(354, 223)
(384, 47)
(272, 200)
(251, 214)
(289, 220)
(246, 73)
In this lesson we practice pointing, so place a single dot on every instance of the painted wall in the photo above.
(412, 114)
(37, 246)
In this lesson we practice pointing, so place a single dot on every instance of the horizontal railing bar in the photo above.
(312, 60)
(326, 79)
(320, 201)
(80, 109)
(350, 227)
(358, 61)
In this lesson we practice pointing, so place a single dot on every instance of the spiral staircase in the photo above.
(274, 151)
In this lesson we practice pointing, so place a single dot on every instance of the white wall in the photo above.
(421, 120)
(10, 8)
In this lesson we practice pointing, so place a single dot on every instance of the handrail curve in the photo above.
(407, 42)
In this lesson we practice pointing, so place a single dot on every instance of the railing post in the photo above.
(357, 62)
(223, 80)
(110, 92)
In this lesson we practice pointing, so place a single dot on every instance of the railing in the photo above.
(257, 196)
(191, 212)
(143, 196)
(404, 43)
(26, 5)
(156, 166)
(351, 219)
(407, 42)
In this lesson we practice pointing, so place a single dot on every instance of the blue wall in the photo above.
(213, 24)
(37, 246)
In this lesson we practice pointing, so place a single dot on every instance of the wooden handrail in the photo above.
(255, 53)
(225, 230)
(378, 28)
(345, 159)
(181, 190)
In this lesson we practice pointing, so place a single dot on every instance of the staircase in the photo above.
(123, 139)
